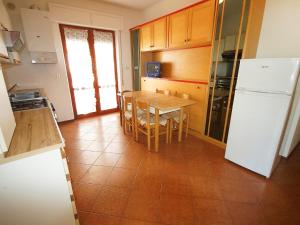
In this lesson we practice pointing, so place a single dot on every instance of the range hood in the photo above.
(230, 54)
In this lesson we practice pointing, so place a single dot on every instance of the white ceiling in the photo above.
(134, 4)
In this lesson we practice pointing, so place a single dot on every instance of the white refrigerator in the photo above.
(263, 95)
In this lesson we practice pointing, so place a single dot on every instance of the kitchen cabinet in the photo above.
(7, 119)
(178, 26)
(38, 30)
(34, 173)
(192, 26)
(34, 190)
(200, 23)
(160, 34)
(146, 37)
(154, 35)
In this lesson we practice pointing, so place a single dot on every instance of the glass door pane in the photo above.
(80, 68)
(105, 64)
(225, 65)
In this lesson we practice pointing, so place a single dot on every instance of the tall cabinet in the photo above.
(181, 42)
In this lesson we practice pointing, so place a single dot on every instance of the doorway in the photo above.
(135, 49)
(90, 56)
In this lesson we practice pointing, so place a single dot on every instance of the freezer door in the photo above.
(268, 75)
(255, 130)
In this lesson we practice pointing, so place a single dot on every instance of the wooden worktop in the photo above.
(36, 131)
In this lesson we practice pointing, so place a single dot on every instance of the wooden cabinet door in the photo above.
(160, 34)
(146, 37)
(201, 23)
(178, 26)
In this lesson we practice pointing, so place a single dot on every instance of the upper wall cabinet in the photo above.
(154, 35)
(192, 26)
(38, 30)
(201, 23)
(178, 27)
(146, 37)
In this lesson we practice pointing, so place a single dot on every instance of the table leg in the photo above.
(180, 125)
(156, 129)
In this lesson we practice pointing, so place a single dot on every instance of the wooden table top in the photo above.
(36, 130)
(160, 101)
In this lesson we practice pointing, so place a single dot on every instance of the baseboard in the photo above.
(208, 139)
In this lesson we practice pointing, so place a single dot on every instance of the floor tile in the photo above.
(98, 219)
(77, 171)
(111, 201)
(246, 214)
(210, 211)
(121, 177)
(143, 206)
(177, 210)
(97, 146)
(108, 159)
(116, 147)
(97, 175)
(85, 195)
(117, 181)
(136, 222)
(237, 191)
(206, 187)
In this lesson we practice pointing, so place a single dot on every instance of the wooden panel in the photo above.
(160, 34)
(201, 23)
(187, 64)
(146, 37)
(178, 26)
(36, 129)
(256, 13)
(198, 93)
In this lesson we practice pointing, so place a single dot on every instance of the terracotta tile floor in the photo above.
(117, 181)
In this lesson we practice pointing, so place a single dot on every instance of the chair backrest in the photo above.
(165, 92)
(127, 100)
(183, 95)
(142, 105)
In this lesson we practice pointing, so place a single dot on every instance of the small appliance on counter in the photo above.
(27, 99)
(153, 69)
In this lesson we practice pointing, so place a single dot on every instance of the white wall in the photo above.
(4, 17)
(280, 38)
(52, 78)
(280, 34)
(164, 7)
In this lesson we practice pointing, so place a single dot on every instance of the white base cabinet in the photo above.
(34, 190)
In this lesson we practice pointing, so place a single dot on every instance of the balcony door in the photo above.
(91, 66)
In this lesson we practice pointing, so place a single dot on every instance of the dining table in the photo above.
(161, 104)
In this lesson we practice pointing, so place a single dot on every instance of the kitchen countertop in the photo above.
(36, 131)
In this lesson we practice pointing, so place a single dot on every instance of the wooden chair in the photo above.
(145, 123)
(127, 114)
(120, 96)
(175, 118)
(165, 92)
